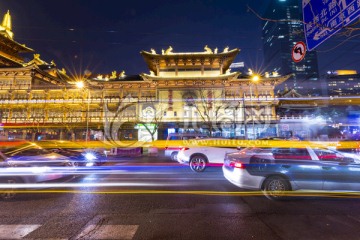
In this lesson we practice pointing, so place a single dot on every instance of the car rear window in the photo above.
(291, 153)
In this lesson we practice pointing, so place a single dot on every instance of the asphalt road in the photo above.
(150, 198)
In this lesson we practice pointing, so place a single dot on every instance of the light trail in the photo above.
(345, 195)
(77, 185)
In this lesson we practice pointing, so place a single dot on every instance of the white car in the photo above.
(171, 150)
(198, 158)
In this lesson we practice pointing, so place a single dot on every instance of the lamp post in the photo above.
(254, 79)
(81, 85)
(244, 116)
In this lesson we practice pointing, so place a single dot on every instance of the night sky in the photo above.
(107, 35)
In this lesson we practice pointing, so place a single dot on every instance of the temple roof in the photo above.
(9, 54)
(289, 93)
(6, 26)
(208, 57)
(6, 35)
(231, 76)
(50, 75)
(131, 78)
(12, 59)
(15, 45)
(9, 61)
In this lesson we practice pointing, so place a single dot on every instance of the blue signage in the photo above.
(324, 18)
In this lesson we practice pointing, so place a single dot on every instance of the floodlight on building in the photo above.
(80, 84)
(255, 78)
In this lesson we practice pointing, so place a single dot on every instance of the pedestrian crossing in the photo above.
(16, 231)
(125, 232)
(92, 231)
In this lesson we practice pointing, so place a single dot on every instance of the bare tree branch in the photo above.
(347, 30)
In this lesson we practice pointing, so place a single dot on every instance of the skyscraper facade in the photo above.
(281, 31)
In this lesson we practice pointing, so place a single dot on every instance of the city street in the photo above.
(153, 119)
(152, 198)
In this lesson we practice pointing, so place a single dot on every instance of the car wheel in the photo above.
(198, 163)
(8, 193)
(276, 188)
(174, 156)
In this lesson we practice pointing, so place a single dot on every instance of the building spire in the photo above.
(6, 24)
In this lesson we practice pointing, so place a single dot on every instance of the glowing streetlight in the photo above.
(255, 78)
(81, 85)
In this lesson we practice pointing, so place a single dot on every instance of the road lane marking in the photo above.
(108, 232)
(155, 178)
(16, 231)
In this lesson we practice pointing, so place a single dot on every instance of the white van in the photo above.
(172, 151)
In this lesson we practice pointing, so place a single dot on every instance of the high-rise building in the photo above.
(281, 32)
(343, 83)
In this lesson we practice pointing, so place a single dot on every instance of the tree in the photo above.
(208, 104)
(152, 114)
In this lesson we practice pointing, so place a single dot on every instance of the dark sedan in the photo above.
(77, 153)
(276, 171)
(29, 163)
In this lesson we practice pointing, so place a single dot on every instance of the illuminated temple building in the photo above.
(192, 91)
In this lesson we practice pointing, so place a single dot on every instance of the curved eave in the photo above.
(273, 80)
(23, 48)
(230, 76)
(277, 80)
(228, 57)
(282, 79)
(109, 82)
(20, 47)
(14, 69)
(322, 101)
(62, 75)
(12, 62)
(47, 75)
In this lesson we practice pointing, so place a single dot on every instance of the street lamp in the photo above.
(81, 85)
(255, 78)
(244, 116)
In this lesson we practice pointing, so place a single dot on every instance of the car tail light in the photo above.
(184, 149)
(236, 165)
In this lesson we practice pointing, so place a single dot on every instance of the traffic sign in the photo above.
(298, 52)
(324, 18)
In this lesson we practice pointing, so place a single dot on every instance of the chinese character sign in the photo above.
(323, 18)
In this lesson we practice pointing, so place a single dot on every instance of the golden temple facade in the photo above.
(190, 91)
